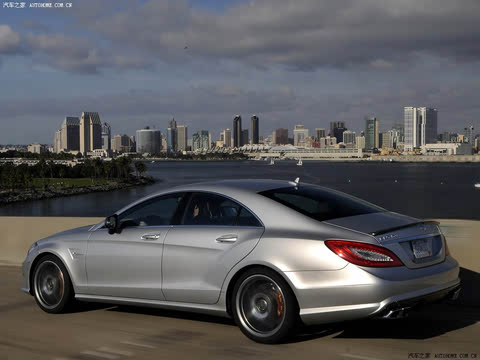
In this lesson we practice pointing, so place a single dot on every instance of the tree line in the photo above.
(22, 176)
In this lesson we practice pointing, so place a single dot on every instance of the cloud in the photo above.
(79, 54)
(9, 40)
(301, 34)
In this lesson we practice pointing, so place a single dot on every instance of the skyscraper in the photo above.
(420, 126)
(319, 133)
(227, 138)
(371, 133)
(90, 132)
(106, 137)
(255, 130)
(201, 140)
(182, 136)
(300, 134)
(57, 142)
(172, 136)
(428, 123)
(244, 137)
(149, 141)
(70, 134)
(334, 125)
(123, 144)
(349, 137)
(237, 131)
(469, 135)
(281, 136)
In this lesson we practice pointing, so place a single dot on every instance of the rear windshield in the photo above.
(319, 203)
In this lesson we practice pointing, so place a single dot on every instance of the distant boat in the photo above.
(477, 185)
(271, 162)
(153, 161)
(300, 162)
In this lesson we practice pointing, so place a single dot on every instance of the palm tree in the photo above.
(140, 167)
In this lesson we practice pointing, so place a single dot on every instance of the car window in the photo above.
(212, 209)
(246, 218)
(319, 203)
(154, 212)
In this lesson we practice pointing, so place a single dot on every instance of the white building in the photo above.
(349, 137)
(37, 148)
(300, 134)
(447, 149)
(420, 126)
(360, 141)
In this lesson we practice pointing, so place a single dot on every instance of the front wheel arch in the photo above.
(35, 263)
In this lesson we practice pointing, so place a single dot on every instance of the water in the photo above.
(416, 189)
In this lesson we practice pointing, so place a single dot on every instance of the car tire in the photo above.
(52, 287)
(264, 306)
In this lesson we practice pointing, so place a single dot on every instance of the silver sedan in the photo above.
(271, 254)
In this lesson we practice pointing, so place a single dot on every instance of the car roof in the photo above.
(243, 185)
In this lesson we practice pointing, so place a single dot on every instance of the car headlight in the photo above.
(33, 247)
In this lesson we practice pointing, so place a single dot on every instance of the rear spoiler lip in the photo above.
(381, 232)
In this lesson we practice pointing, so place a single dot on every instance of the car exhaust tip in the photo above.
(398, 313)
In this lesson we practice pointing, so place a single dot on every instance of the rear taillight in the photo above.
(363, 254)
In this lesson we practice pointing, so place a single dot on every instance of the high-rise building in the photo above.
(237, 131)
(244, 137)
(400, 128)
(90, 132)
(123, 144)
(68, 137)
(182, 136)
(106, 137)
(338, 131)
(327, 142)
(469, 134)
(149, 141)
(360, 140)
(57, 142)
(201, 140)
(281, 136)
(372, 140)
(334, 125)
(420, 126)
(255, 130)
(227, 138)
(172, 136)
(319, 133)
(300, 134)
(429, 126)
(349, 137)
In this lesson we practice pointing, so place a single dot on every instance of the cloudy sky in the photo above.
(291, 62)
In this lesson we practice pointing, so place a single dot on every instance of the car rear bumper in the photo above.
(353, 292)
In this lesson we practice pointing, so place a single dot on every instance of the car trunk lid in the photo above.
(417, 243)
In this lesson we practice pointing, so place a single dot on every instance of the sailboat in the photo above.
(271, 162)
(300, 162)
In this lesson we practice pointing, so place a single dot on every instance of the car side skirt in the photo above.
(218, 309)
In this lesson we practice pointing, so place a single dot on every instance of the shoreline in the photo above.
(29, 195)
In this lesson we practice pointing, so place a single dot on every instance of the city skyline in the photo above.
(311, 71)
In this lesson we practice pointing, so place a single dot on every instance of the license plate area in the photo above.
(422, 248)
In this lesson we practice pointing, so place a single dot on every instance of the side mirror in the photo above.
(111, 223)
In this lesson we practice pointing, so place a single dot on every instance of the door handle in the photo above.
(230, 238)
(150, 236)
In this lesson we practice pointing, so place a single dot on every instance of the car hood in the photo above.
(67, 233)
(374, 222)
